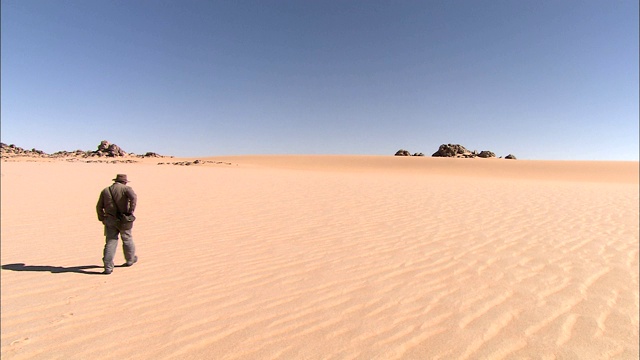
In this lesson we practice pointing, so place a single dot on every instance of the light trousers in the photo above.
(111, 244)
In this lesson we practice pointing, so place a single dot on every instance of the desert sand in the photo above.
(325, 257)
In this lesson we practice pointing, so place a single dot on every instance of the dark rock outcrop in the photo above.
(459, 151)
(78, 153)
(486, 154)
(12, 150)
(510, 156)
(453, 150)
(109, 150)
(403, 152)
(105, 149)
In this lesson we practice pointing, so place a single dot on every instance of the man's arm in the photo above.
(100, 207)
(133, 199)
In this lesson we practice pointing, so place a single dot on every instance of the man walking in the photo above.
(117, 198)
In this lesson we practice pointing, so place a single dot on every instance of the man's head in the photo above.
(121, 178)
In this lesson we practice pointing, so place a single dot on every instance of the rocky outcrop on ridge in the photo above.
(403, 152)
(455, 151)
(152, 154)
(110, 150)
(459, 151)
(65, 154)
(12, 150)
(486, 154)
(104, 150)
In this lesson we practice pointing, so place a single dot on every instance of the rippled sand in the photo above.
(325, 257)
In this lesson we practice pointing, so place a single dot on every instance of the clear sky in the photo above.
(548, 79)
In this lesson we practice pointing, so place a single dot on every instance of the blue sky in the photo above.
(539, 79)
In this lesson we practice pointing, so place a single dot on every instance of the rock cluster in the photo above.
(486, 154)
(456, 151)
(403, 152)
(459, 151)
(12, 150)
(105, 149)
(195, 162)
(77, 153)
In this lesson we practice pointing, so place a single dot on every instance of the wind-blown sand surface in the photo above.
(325, 257)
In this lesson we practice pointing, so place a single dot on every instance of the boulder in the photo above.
(510, 156)
(115, 150)
(486, 154)
(109, 150)
(402, 152)
(104, 146)
(453, 150)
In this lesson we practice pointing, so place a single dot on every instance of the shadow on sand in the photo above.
(55, 269)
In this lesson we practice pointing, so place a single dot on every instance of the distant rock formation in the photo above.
(403, 152)
(12, 150)
(77, 153)
(454, 150)
(486, 154)
(105, 149)
(459, 151)
(110, 150)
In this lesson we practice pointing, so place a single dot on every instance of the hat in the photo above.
(121, 178)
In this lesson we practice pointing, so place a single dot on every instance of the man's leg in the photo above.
(128, 247)
(110, 246)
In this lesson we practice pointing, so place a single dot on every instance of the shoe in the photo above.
(129, 263)
(107, 272)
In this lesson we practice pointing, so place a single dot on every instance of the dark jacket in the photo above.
(123, 195)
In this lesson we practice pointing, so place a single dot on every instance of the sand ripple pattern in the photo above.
(245, 263)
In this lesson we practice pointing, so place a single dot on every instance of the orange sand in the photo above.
(325, 257)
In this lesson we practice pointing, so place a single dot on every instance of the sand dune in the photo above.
(326, 257)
